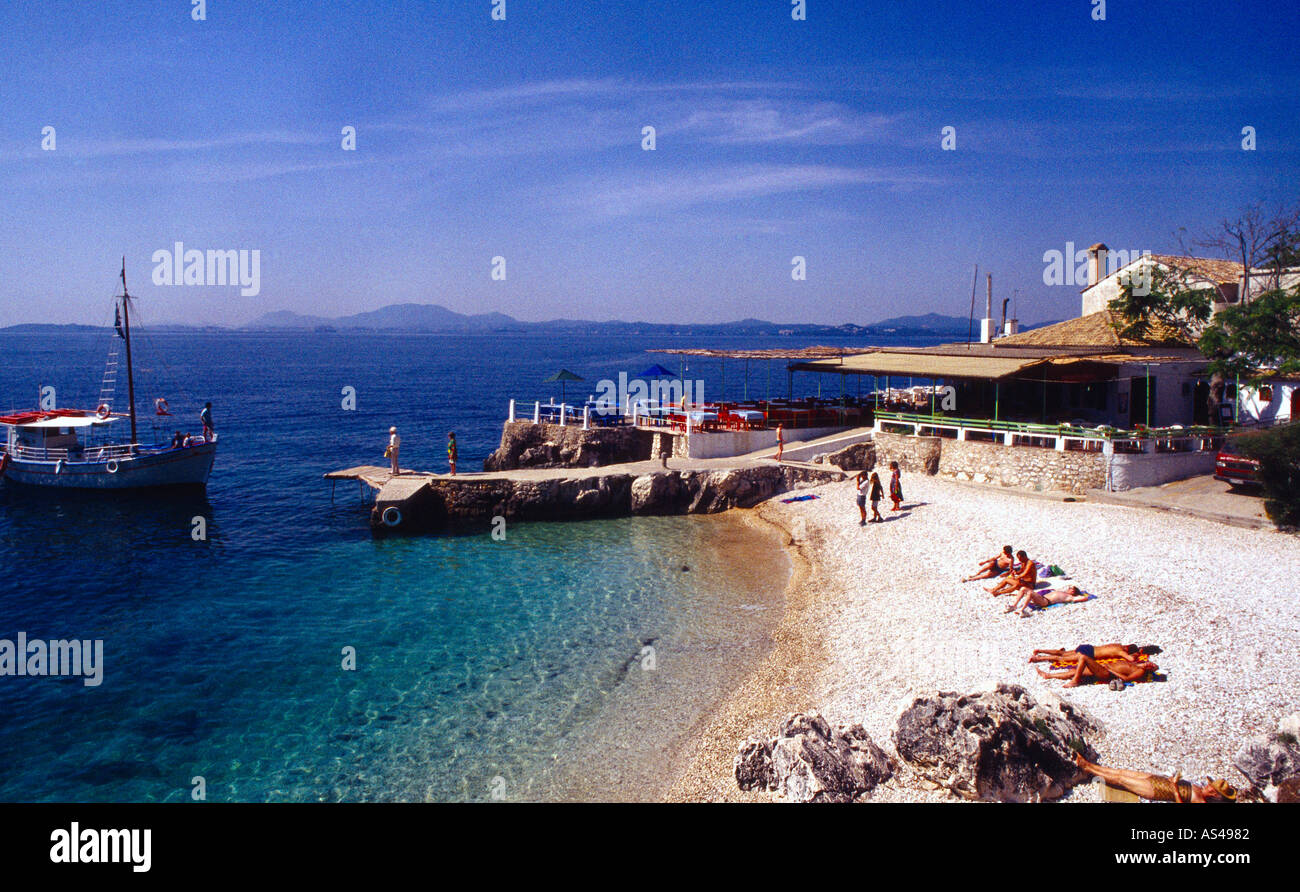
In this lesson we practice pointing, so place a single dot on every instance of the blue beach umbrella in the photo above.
(658, 371)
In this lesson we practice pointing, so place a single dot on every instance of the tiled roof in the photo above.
(1220, 272)
(1100, 329)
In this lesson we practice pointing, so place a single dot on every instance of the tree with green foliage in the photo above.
(1250, 340)
(1246, 340)
(1278, 454)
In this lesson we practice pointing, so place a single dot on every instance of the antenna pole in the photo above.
(970, 328)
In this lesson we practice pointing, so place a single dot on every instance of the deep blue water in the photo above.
(514, 663)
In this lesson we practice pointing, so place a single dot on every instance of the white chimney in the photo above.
(1096, 263)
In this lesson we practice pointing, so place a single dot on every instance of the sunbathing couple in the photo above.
(1128, 652)
(1158, 788)
(1021, 582)
(1131, 666)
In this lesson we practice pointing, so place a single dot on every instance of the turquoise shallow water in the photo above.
(513, 669)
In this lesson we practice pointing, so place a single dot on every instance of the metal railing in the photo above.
(1059, 436)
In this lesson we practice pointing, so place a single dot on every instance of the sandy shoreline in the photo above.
(876, 615)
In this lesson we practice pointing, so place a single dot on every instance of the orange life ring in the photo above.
(161, 407)
(103, 411)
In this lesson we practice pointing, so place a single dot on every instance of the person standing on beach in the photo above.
(877, 493)
(394, 446)
(895, 486)
(205, 416)
(864, 484)
(451, 451)
(780, 440)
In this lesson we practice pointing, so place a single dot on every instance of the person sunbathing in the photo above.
(998, 565)
(1157, 787)
(1026, 576)
(1087, 667)
(1026, 597)
(1128, 652)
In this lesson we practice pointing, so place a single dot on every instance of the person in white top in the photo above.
(394, 445)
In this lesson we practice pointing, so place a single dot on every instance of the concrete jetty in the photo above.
(415, 501)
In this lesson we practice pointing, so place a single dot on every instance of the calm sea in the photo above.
(564, 662)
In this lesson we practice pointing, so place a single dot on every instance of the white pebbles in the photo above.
(1223, 603)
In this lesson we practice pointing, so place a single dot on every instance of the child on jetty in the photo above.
(877, 493)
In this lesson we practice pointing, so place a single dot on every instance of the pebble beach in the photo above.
(877, 615)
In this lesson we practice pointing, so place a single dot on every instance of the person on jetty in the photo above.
(1159, 788)
(1013, 582)
(998, 565)
(451, 451)
(780, 440)
(1027, 597)
(205, 416)
(895, 487)
(394, 447)
(1087, 667)
(1128, 652)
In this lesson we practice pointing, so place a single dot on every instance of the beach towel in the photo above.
(800, 499)
(1067, 603)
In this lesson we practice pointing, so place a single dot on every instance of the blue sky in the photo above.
(522, 139)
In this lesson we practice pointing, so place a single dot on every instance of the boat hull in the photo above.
(188, 466)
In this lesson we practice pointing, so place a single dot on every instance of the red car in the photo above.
(1233, 467)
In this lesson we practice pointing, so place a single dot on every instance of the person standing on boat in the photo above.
(394, 445)
(209, 431)
(451, 451)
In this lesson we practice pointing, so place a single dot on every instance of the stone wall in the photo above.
(1022, 467)
(528, 445)
(1156, 468)
(915, 455)
(1036, 468)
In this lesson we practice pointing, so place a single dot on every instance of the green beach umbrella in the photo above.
(563, 376)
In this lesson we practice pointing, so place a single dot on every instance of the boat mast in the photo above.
(126, 326)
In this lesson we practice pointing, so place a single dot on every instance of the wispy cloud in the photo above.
(71, 145)
(615, 197)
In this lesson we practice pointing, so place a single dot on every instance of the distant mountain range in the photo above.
(435, 318)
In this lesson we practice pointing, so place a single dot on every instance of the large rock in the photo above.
(661, 493)
(808, 761)
(999, 745)
(857, 457)
(528, 445)
(1270, 763)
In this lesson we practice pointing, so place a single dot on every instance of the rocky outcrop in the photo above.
(1272, 764)
(999, 745)
(452, 501)
(528, 445)
(857, 457)
(808, 761)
